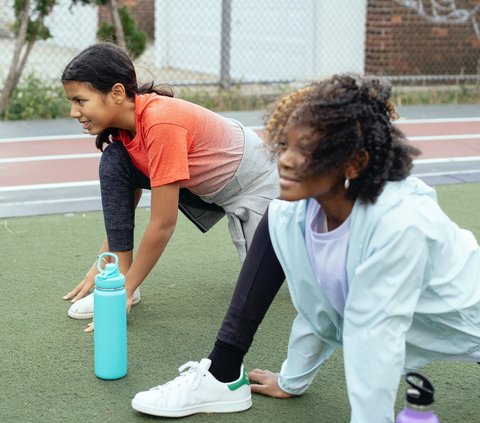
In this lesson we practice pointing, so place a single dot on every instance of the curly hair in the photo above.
(350, 113)
(277, 114)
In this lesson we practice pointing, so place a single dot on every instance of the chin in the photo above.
(285, 196)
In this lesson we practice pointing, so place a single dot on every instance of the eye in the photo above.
(280, 146)
(305, 150)
(81, 102)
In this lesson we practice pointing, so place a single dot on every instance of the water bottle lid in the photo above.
(109, 277)
(421, 391)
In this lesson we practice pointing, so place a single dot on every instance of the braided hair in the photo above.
(103, 65)
(350, 113)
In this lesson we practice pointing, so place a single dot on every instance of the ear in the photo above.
(118, 93)
(357, 165)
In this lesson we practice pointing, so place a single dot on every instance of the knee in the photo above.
(114, 151)
(113, 157)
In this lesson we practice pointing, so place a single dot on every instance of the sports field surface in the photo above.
(46, 359)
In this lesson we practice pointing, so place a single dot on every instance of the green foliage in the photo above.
(135, 39)
(232, 99)
(35, 99)
(429, 95)
(37, 30)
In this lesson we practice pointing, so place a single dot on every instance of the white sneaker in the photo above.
(83, 308)
(195, 391)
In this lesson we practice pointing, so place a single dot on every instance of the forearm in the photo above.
(306, 353)
(151, 247)
(93, 271)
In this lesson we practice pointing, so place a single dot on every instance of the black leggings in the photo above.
(260, 278)
(259, 281)
(119, 178)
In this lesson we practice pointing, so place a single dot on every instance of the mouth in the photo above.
(288, 181)
(85, 125)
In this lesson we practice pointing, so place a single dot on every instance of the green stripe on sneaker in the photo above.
(242, 381)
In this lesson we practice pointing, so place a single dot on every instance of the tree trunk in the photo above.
(117, 23)
(15, 71)
(26, 53)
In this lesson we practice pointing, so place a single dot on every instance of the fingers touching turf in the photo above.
(265, 382)
(82, 289)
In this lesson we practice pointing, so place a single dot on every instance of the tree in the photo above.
(113, 8)
(123, 30)
(117, 23)
(135, 40)
(29, 27)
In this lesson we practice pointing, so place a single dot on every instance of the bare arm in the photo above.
(88, 282)
(163, 218)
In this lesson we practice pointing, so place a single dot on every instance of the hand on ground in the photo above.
(129, 303)
(82, 289)
(265, 382)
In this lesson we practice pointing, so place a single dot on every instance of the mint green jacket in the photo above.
(414, 296)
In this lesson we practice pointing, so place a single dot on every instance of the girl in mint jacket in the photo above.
(373, 264)
(413, 296)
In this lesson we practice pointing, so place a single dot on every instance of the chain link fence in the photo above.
(225, 42)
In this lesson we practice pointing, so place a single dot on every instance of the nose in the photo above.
(74, 112)
(287, 159)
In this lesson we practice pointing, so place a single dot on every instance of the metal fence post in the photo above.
(225, 80)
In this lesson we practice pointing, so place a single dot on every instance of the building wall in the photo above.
(413, 41)
(270, 40)
(142, 10)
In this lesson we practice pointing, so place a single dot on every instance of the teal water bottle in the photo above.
(110, 318)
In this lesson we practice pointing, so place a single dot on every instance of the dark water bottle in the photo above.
(419, 401)
(110, 318)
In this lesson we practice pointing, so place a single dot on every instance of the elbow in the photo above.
(163, 229)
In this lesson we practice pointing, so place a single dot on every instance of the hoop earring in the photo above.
(346, 183)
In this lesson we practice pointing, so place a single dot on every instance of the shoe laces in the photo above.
(191, 374)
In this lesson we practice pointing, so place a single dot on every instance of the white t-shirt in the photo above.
(327, 252)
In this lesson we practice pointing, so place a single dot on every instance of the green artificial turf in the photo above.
(46, 359)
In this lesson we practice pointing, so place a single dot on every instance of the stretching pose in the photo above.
(190, 158)
(373, 265)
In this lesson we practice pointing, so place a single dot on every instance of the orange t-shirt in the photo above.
(181, 141)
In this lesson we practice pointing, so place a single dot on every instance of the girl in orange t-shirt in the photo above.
(190, 158)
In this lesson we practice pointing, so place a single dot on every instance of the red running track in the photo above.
(74, 159)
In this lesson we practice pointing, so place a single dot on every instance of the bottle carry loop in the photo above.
(421, 391)
(101, 258)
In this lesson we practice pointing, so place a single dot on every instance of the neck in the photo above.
(126, 117)
(336, 213)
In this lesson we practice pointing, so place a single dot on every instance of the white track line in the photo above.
(447, 160)
(447, 173)
(401, 121)
(49, 186)
(52, 157)
(436, 120)
(445, 137)
(96, 155)
(80, 184)
(46, 138)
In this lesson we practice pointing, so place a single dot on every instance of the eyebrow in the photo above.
(75, 98)
(305, 138)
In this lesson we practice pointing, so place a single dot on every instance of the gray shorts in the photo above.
(244, 198)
